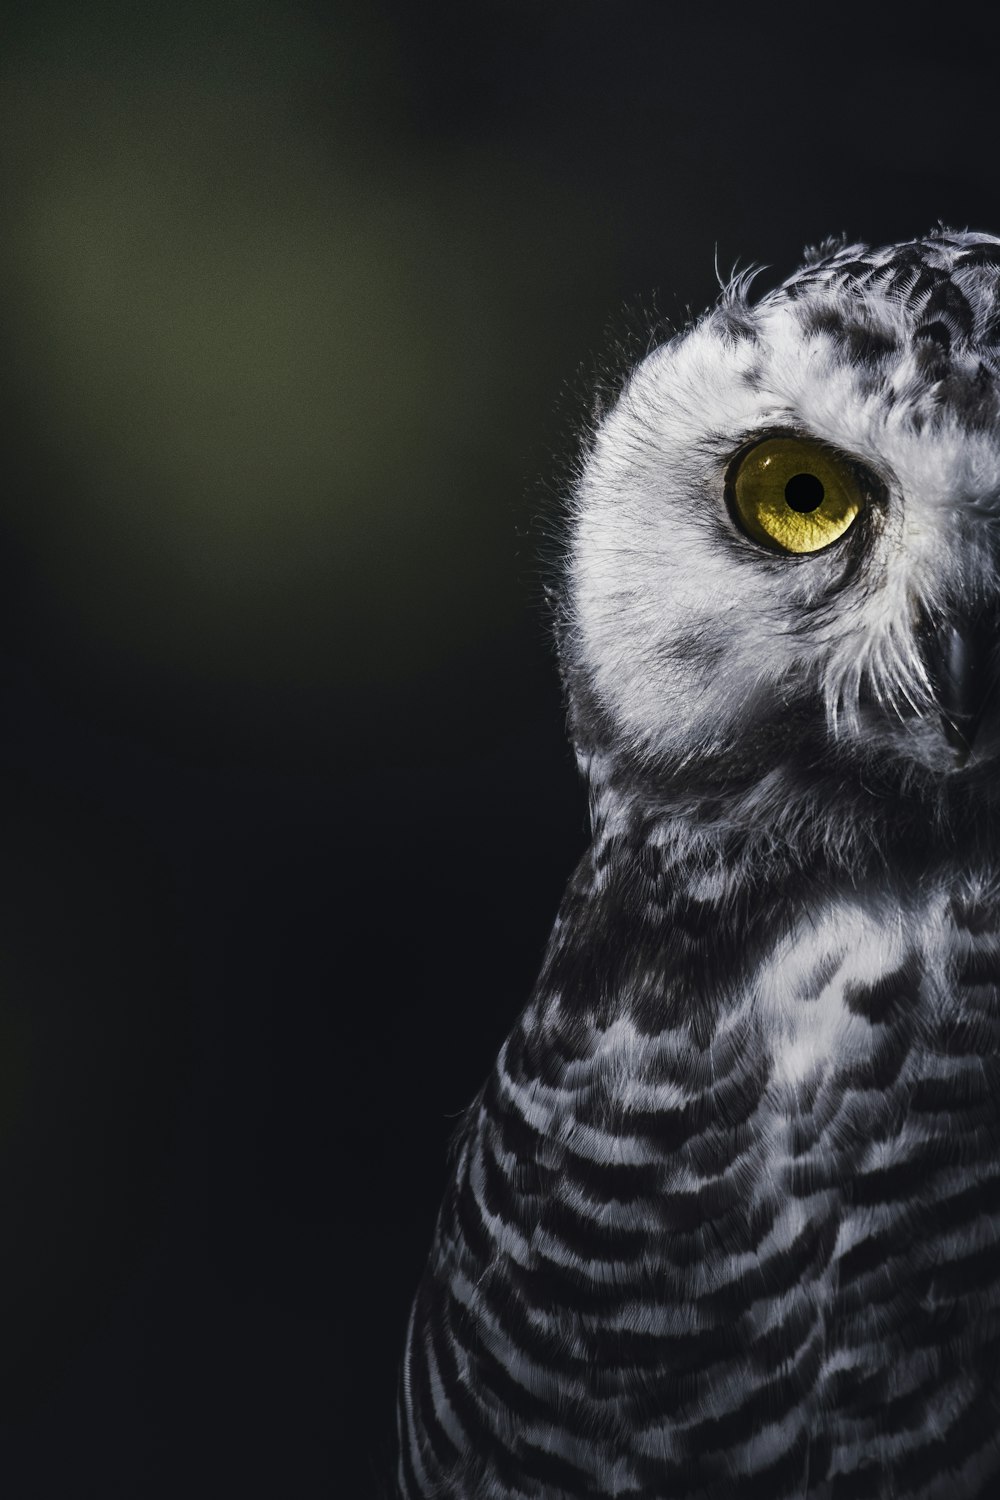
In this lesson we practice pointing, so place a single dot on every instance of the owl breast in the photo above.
(749, 1251)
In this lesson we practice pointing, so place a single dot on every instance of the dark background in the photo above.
(299, 310)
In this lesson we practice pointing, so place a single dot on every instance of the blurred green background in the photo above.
(284, 361)
(301, 307)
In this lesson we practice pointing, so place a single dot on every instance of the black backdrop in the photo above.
(300, 306)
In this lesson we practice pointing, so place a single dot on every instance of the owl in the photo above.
(725, 1219)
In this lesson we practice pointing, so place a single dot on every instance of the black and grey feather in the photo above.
(725, 1219)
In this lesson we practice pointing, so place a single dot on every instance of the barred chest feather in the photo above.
(724, 1221)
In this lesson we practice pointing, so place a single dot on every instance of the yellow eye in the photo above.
(794, 495)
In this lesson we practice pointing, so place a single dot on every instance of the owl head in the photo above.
(782, 591)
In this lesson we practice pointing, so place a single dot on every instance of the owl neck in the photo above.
(788, 825)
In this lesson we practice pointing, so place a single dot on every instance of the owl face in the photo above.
(786, 537)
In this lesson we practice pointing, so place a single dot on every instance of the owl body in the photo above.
(725, 1219)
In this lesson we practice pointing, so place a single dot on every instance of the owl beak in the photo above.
(958, 660)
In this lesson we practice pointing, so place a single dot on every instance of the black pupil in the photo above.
(804, 492)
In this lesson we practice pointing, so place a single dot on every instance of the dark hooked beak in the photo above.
(958, 657)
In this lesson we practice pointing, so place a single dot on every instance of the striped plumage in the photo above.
(725, 1219)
